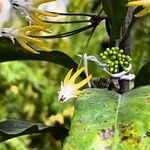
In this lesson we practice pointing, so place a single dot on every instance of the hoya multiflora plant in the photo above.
(115, 60)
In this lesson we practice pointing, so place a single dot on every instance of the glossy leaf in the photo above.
(143, 76)
(11, 52)
(14, 128)
(116, 11)
(105, 120)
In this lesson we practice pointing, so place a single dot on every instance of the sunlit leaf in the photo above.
(105, 120)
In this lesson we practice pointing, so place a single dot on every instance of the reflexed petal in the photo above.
(73, 78)
(136, 3)
(66, 80)
(83, 82)
(142, 13)
(24, 45)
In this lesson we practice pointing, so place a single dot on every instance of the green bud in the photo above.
(121, 51)
(111, 69)
(107, 49)
(109, 62)
(113, 48)
(123, 56)
(116, 66)
(113, 57)
(119, 55)
(114, 52)
(121, 62)
(104, 57)
(117, 48)
(106, 53)
(101, 54)
(128, 57)
(110, 52)
(116, 70)
(126, 63)
(119, 59)
(116, 62)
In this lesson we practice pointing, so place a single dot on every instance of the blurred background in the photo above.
(28, 89)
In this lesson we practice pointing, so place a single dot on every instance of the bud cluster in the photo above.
(115, 58)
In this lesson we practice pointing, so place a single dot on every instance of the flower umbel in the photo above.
(144, 3)
(70, 89)
(22, 35)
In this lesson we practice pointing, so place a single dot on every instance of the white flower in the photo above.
(70, 89)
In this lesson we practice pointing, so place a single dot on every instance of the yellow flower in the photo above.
(69, 89)
(22, 35)
(144, 3)
(29, 9)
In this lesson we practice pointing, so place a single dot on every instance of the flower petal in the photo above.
(142, 13)
(83, 82)
(66, 80)
(73, 78)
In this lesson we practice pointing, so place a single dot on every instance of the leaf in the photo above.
(11, 52)
(14, 128)
(143, 76)
(116, 11)
(105, 120)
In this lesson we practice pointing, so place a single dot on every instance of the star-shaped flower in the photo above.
(70, 89)
(24, 37)
(144, 3)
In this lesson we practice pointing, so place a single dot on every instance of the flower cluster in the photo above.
(144, 3)
(115, 58)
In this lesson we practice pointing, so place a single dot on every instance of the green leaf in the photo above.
(14, 128)
(143, 76)
(116, 11)
(105, 120)
(11, 52)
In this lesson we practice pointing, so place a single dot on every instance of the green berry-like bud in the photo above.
(126, 63)
(121, 51)
(117, 48)
(113, 48)
(111, 69)
(119, 59)
(116, 70)
(123, 56)
(104, 57)
(112, 63)
(128, 57)
(106, 53)
(114, 52)
(119, 55)
(109, 62)
(107, 49)
(116, 62)
(113, 57)
(101, 54)
(110, 52)
(116, 66)
(121, 62)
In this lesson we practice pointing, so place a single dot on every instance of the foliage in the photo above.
(103, 118)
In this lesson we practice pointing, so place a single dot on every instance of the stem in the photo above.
(65, 34)
(126, 45)
(67, 22)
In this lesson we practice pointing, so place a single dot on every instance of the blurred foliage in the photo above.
(28, 90)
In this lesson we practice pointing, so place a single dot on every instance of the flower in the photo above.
(5, 11)
(23, 36)
(29, 10)
(69, 89)
(144, 3)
